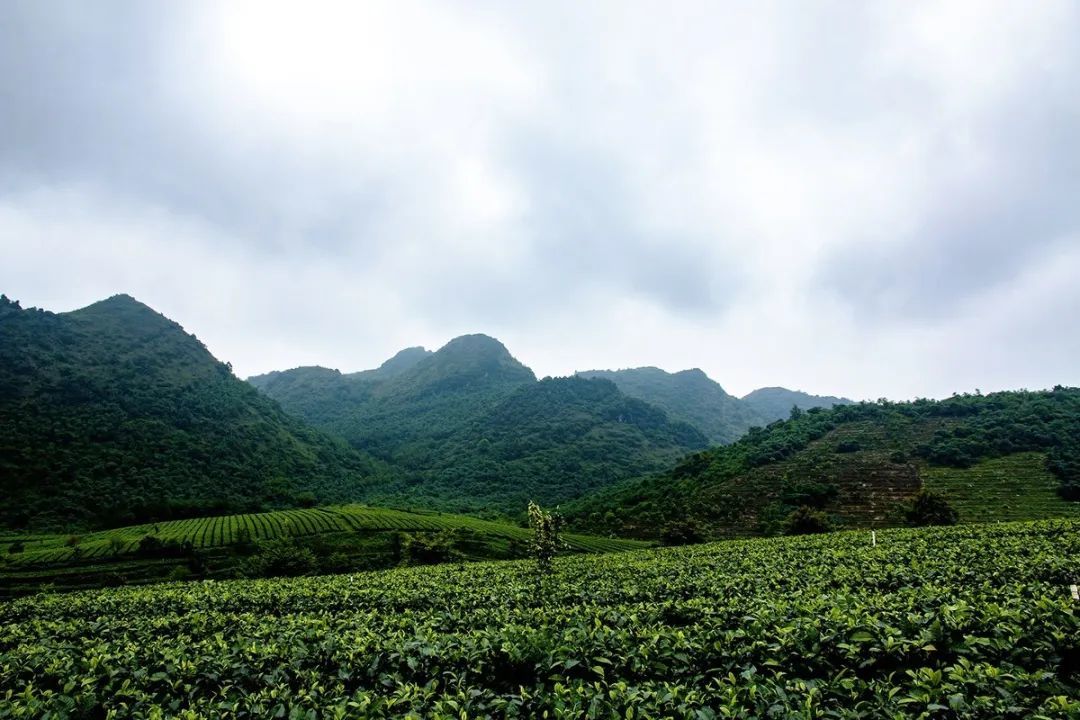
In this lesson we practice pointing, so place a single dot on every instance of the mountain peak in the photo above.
(475, 342)
(118, 301)
(469, 360)
(403, 360)
(123, 314)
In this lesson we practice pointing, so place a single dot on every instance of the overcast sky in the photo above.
(857, 198)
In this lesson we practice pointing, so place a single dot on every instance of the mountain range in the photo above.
(114, 414)
(472, 429)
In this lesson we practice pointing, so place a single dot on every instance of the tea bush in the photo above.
(942, 622)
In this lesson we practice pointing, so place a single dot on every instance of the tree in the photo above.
(681, 532)
(546, 540)
(806, 521)
(931, 508)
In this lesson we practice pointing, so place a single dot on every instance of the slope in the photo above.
(861, 465)
(473, 430)
(113, 414)
(689, 396)
(549, 441)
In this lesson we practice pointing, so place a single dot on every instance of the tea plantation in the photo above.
(366, 536)
(970, 621)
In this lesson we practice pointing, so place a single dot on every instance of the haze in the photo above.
(863, 199)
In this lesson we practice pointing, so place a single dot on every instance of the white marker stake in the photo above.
(1075, 592)
(873, 537)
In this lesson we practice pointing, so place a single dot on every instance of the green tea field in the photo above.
(972, 621)
(368, 533)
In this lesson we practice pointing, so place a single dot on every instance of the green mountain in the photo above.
(775, 403)
(114, 414)
(398, 415)
(1009, 455)
(472, 429)
(689, 396)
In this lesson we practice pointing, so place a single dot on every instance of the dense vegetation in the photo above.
(972, 621)
(113, 414)
(473, 430)
(775, 403)
(283, 542)
(691, 397)
(860, 465)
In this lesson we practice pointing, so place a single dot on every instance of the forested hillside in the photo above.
(864, 465)
(690, 396)
(112, 414)
(549, 441)
(472, 429)
(775, 403)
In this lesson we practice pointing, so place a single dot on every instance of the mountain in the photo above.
(472, 429)
(1009, 455)
(689, 396)
(396, 415)
(775, 403)
(114, 414)
(402, 361)
(549, 441)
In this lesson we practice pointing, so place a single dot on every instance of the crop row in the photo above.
(219, 531)
(972, 621)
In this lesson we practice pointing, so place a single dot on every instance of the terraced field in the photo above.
(1015, 487)
(225, 530)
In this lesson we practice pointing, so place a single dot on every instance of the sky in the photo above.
(869, 199)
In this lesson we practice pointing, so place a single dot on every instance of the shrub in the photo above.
(280, 557)
(805, 521)
(931, 508)
(425, 548)
(809, 493)
(243, 542)
(179, 573)
(681, 532)
(848, 446)
(306, 500)
(16, 547)
(151, 546)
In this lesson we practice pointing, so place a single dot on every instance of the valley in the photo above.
(326, 544)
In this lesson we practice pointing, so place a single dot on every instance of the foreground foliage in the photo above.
(968, 621)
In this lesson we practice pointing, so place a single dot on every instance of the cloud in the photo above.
(862, 199)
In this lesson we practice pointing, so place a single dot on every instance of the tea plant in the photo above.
(942, 622)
